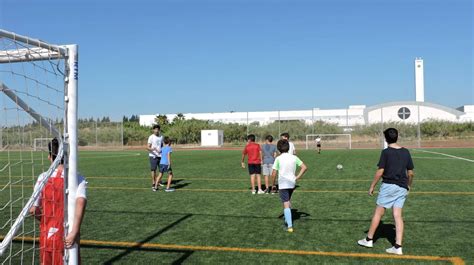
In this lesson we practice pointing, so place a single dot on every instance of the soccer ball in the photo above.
(339, 167)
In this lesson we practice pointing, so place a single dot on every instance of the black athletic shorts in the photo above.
(285, 194)
(318, 145)
(154, 162)
(255, 169)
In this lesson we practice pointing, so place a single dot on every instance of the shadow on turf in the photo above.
(176, 184)
(385, 231)
(296, 215)
(139, 245)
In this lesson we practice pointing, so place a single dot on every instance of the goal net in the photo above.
(38, 102)
(329, 141)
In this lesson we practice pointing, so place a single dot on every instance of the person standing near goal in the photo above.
(154, 145)
(286, 136)
(318, 144)
(49, 210)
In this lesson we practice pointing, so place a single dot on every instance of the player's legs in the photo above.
(160, 176)
(378, 214)
(285, 196)
(267, 188)
(153, 178)
(399, 226)
(252, 182)
(259, 182)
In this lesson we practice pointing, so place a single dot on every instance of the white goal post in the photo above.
(329, 141)
(29, 113)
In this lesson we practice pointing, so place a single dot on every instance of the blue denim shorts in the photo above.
(391, 195)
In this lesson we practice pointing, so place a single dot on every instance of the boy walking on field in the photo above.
(286, 165)
(395, 167)
(165, 165)
(254, 161)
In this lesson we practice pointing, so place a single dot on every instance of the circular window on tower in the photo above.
(404, 113)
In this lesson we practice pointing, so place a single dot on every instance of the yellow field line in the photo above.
(453, 260)
(246, 190)
(244, 179)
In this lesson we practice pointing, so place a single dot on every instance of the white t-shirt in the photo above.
(292, 148)
(81, 191)
(286, 165)
(156, 143)
(318, 140)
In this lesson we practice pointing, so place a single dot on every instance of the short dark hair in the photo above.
(167, 140)
(53, 148)
(269, 138)
(251, 137)
(283, 146)
(391, 135)
(286, 135)
(156, 126)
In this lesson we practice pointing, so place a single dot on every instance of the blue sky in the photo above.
(146, 57)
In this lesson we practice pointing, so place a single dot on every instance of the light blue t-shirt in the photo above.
(164, 154)
(268, 152)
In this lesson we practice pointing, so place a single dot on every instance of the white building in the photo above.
(405, 111)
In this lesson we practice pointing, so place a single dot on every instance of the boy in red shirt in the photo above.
(254, 161)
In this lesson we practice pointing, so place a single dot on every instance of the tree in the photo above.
(162, 120)
(179, 117)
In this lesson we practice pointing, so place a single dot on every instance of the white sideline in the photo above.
(448, 155)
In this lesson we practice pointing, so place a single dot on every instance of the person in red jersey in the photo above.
(49, 210)
(254, 161)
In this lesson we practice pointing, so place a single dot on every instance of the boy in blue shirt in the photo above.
(269, 152)
(165, 164)
(395, 167)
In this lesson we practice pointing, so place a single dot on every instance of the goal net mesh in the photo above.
(32, 107)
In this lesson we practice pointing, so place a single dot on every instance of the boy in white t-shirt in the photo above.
(318, 144)
(286, 136)
(286, 165)
(154, 145)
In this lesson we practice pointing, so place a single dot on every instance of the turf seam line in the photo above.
(453, 260)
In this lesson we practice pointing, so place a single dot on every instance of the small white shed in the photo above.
(210, 138)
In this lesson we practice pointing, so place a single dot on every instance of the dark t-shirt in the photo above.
(395, 163)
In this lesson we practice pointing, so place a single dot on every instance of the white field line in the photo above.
(448, 155)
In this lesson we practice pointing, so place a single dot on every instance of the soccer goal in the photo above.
(38, 102)
(41, 144)
(329, 141)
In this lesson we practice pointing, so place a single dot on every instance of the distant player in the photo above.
(254, 161)
(49, 209)
(286, 165)
(396, 170)
(269, 154)
(318, 144)
(154, 144)
(165, 165)
(286, 136)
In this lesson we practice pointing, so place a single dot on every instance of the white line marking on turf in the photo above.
(448, 155)
(433, 157)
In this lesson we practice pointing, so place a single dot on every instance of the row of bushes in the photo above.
(189, 131)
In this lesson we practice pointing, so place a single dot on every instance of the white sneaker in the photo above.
(365, 243)
(260, 192)
(393, 250)
(254, 192)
